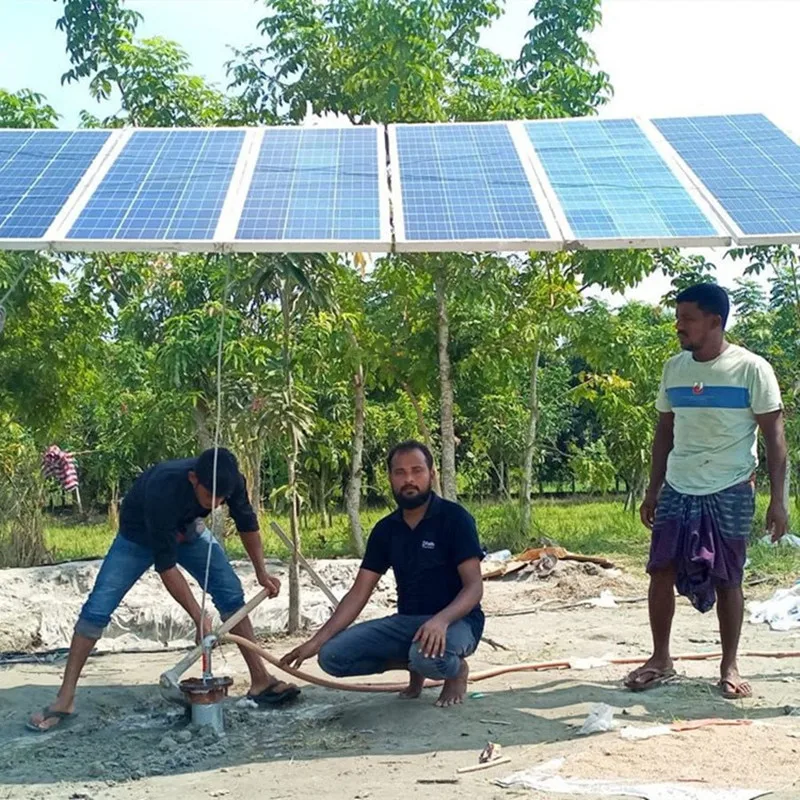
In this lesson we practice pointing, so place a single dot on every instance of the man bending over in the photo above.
(714, 397)
(161, 523)
(432, 546)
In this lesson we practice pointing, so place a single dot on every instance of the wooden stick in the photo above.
(476, 767)
(308, 568)
(437, 780)
(494, 722)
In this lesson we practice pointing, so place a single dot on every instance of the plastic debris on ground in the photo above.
(633, 733)
(591, 662)
(606, 600)
(545, 778)
(600, 720)
(787, 540)
(781, 612)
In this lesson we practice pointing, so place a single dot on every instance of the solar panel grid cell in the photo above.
(465, 182)
(164, 185)
(748, 164)
(39, 170)
(612, 183)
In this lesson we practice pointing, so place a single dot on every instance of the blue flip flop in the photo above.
(64, 718)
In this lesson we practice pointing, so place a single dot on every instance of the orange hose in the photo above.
(474, 677)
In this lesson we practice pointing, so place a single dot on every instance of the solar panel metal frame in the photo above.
(574, 242)
(405, 245)
(50, 240)
(739, 236)
(79, 201)
(381, 245)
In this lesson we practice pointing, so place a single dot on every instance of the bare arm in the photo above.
(346, 613)
(432, 636)
(255, 552)
(662, 446)
(771, 426)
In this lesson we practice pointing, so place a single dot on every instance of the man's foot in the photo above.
(651, 674)
(733, 686)
(414, 688)
(454, 689)
(57, 713)
(272, 692)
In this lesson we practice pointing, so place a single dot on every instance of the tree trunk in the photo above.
(530, 445)
(113, 507)
(200, 417)
(353, 492)
(425, 431)
(449, 488)
(291, 465)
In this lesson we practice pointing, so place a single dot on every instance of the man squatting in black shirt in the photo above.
(432, 546)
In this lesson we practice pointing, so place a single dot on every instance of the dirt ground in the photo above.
(127, 743)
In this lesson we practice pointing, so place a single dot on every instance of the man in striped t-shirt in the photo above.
(713, 399)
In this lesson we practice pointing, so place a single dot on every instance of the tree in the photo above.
(26, 109)
(625, 352)
(301, 285)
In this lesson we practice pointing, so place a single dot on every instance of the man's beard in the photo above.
(410, 502)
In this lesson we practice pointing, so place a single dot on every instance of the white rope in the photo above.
(217, 427)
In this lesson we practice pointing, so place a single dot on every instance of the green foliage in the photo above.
(557, 65)
(26, 109)
(22, 542)
(95, 30)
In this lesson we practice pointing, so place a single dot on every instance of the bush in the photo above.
(21, 499)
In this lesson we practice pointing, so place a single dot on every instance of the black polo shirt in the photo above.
(161, 504)
(425, 560)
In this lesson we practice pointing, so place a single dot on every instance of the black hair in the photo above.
(407, 447)
(227, 471)
(710, 299)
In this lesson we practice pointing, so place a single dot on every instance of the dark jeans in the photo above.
(374, 646)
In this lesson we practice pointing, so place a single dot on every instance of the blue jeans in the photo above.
(127, 561)
(381, 644)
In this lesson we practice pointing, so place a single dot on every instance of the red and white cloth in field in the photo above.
(58, 464)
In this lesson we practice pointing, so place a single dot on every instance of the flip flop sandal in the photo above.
(733, 694)
(64, 718)
(269, 697)
(659, 678)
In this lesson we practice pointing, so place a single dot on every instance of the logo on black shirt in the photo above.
(426, 545)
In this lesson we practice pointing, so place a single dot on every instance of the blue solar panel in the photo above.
(39, 170)
(465, 182)
(612, 183)
(167, 184)
(315, 184)
(751, 167)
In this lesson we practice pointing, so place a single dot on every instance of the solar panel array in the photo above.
(471, 186)
(164, 185)
(748, 164)
(465, 182)
(39, 170)
(321, 184)
(613, 184)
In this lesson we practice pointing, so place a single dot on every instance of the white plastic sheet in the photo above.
(781, 612)
(545, 778)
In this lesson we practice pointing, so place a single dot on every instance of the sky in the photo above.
(665, 58)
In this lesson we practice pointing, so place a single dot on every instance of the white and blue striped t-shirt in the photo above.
(715, 404)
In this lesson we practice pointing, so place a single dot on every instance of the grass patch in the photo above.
(599, 527)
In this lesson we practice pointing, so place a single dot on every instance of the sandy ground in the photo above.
(127, 743)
